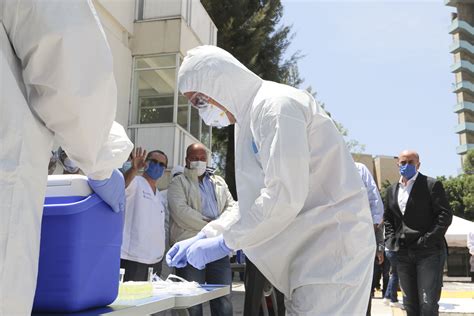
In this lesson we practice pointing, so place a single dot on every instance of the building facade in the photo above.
(384, 169)
(148, 40)
(462, 30)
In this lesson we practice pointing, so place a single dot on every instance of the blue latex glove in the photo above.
(176, 256)
(111, 190)
(207, 250)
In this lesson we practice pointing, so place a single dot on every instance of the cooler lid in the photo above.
(68, 185)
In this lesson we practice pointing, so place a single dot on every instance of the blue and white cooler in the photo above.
(79, 263)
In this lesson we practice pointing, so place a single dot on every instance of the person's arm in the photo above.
(229, 216)
(138, 162)
(388, 217)
(68, 74)
(380, 243)
(280, 134)
(375, 200)
(182, 214)
(470, 242)
(444, 216)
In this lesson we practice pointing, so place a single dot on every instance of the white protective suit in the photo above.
(56, 84)
(304, 214)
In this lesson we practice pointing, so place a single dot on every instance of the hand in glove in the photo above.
(176, 256)
(207, 250)
(111, 190)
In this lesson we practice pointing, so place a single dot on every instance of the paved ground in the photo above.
(457, 300)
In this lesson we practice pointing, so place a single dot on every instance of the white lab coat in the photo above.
(56, 84)
(304, 213)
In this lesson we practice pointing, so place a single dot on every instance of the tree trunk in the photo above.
(230, 162)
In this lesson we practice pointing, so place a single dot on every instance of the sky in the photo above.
(382, 68)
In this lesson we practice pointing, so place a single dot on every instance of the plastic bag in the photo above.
(173, 287)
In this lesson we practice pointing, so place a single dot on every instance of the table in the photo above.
(154, 304)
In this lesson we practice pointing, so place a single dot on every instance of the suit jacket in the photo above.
(426, 219)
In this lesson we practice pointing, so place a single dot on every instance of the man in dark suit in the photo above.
(417, 215)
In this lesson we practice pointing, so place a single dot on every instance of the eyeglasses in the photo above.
(199, 100)
(158, 162)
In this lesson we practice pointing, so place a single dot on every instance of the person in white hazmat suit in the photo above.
(304, 214)
(56, 84)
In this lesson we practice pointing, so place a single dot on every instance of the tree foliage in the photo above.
(468, 164)
(460, 189)
(251, 31)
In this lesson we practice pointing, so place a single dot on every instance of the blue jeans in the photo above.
(392, 288)
(216, 272)
(421, 278)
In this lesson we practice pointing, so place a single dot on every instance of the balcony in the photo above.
(463, 65)
(463, 86)
(464, 128)
(191, 12)
(458, 46)
(461, 26)
(462, 149)
(174, 139)
(464, 106)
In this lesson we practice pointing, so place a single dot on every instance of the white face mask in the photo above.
(200, 166)
(213, 116)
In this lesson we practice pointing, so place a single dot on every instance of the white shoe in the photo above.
(396, 305)
(385, 301)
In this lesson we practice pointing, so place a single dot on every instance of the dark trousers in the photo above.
(136, 271)
(381, 271)
(216, 272)
(421, 278)
(254, 284)
(392, 288)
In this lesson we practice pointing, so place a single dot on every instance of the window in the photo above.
(154, 96)
(154, 88)
(183, 110)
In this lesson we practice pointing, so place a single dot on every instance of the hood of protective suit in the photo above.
(219, 75)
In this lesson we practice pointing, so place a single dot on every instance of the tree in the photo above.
(460, 189)
(251, 31)
(468, 164)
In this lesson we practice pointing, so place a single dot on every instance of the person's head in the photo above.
(211, 76)
(196, 158)
(127, 164)
(408, 163)
(156, 163)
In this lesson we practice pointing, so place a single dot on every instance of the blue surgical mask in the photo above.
(407, 171)
(154, 170)
(126, 166)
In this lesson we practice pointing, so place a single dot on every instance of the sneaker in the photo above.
(396, 305)
(385, 301)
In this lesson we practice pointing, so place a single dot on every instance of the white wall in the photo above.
(117, 37)
(155, 37)
(161, 8)
(123, 12)
(202, 24)
(122, 71)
